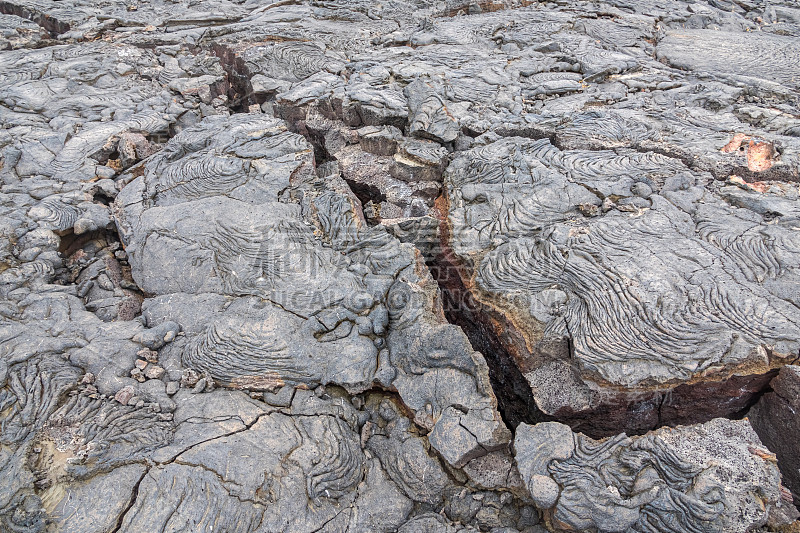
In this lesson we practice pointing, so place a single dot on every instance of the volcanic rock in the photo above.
(686, 477)
(774, 419)
(305, 266)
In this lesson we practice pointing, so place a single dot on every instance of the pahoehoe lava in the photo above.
(418, 266)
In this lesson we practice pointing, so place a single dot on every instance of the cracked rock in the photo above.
(407, 266)
(628, 484)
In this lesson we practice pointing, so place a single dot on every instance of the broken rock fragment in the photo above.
(773, 418)
(674, 479)
(428, 114)
(282, 289)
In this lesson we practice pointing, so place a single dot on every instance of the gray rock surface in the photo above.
(676, 479)
(621, 272)
(363, 266)
(289, 285)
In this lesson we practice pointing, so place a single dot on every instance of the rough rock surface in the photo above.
(619, 275)
(676, 479)
(775, 420)
(363, 266)
(276, 280)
